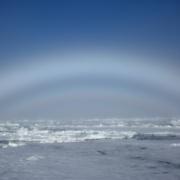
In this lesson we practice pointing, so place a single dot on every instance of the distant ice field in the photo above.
(24, 132)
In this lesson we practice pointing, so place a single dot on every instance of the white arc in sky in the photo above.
(89, 85)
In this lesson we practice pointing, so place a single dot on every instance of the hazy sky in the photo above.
(89, 59)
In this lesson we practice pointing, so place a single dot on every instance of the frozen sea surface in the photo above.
(90, 149)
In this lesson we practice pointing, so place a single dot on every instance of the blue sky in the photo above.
(89, 59)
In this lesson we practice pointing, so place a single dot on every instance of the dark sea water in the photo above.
(90, 149)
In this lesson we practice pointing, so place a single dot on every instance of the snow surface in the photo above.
(86, 150)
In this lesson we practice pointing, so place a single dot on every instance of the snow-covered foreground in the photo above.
(101, 159)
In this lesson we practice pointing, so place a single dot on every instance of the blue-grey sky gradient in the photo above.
(89, 59)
